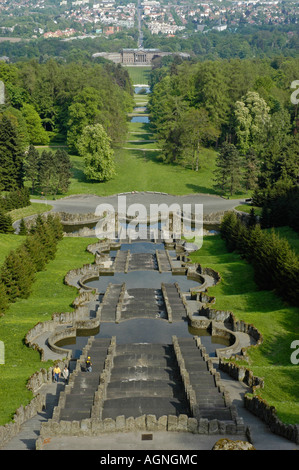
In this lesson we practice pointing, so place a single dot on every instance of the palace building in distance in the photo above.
(135, 56)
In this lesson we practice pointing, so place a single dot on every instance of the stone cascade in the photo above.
(175, 303)
(76, 401)
(110, 303)
(163, 260)
(145, 379)
(142, 262)
(143, 303)
(121, 261)
(208, 399)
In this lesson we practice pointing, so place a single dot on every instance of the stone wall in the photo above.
(267, 413)
(101, 393)
(148, 423)
(241, 373)
(22, 414)
(227, 317)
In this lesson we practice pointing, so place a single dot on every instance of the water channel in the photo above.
(140, 330)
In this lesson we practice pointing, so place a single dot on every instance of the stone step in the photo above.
(144, 373)
(143, 360)
(138, 406)
(166, 350)
(74, 414)
(144, 388)
(212, 413)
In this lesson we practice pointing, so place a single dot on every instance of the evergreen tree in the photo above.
(22, 228)
(17, 274)
(63, 170)
(252, 168)
(47, 176)
(11, 156)
(5, 223)
(31, 167)
(228, 173)
(35, 249)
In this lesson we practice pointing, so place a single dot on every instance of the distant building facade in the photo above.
(135, 56)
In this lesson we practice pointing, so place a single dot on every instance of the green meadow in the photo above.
(275, 319)
(139, 75)
(49, 295)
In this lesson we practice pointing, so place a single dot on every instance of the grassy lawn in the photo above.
(247, 208)
(34, 208)
(276, 321)
(8, 242)
(138, 170)
(49, 295)
(139, 75)
(143, 171)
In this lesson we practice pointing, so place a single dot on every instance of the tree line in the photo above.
(242, 42)
(18, 271)
(10, 201)
(275, 264)
(280, 205)
(63, 98)
(57, 101)
(48, 172)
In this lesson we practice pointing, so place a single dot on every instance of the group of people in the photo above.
(57, 373)
(66, 373)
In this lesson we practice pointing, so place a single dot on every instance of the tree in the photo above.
(94, 146)
(212, 92)
(197, 130)
(252, 168)
(5, 223)
(17, 274)
(85, 110)
(252, 121)
(228, 173)
(31, 167)
(22, 228)
(63, 169)
(37, 133)
(11, 156)
(47, 175)
(170, 129)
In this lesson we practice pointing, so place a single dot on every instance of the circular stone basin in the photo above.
(142, 330)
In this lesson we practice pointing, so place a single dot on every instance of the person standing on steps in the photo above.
(66, 374)
(88, 365)
(56, 373)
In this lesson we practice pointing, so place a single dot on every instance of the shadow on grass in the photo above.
(195, 188)
(78, 174)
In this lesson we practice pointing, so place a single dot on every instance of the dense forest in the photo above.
(242, 108)
(56, 101)
(245, 42)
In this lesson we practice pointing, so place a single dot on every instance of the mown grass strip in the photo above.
(49, 295)
(276, 321)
